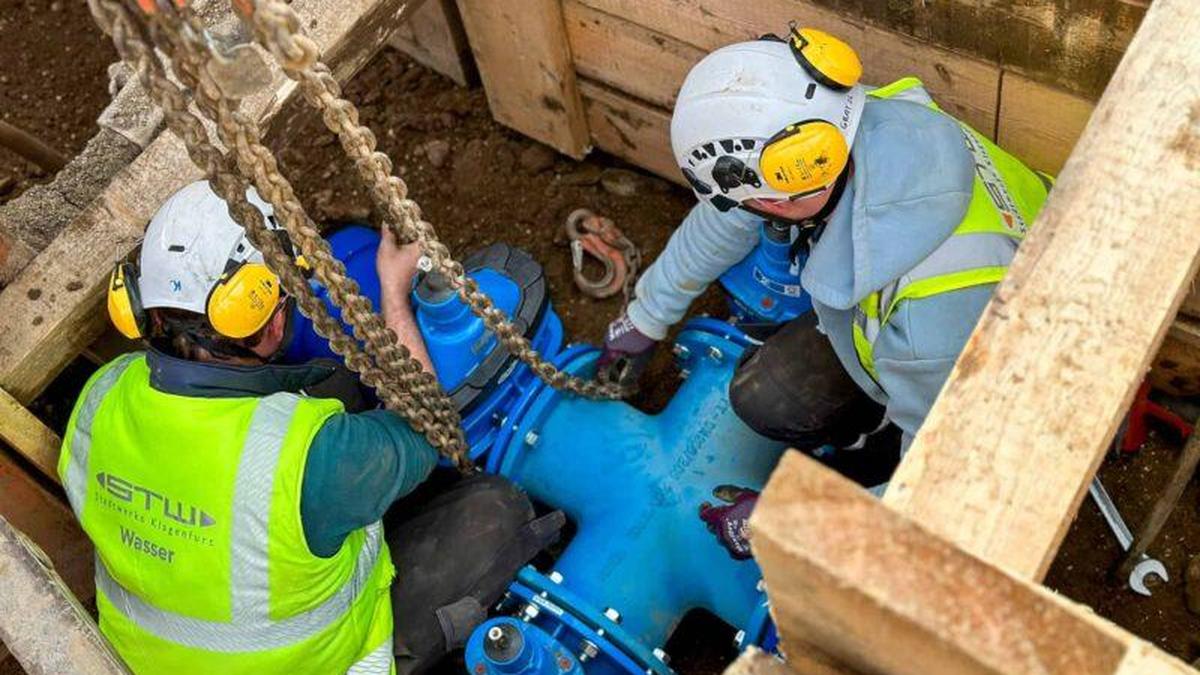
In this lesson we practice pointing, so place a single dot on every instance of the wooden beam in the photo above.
(521, 50)
(628, 57)
(884, 595)
(434, 36)
(1004, 457)
(49, 522)
(632, 130)
(53, 310)
(1038, 123)
(642, 47)
(40, 621)
(26, 434)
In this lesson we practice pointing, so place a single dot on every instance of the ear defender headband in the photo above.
(809, 155)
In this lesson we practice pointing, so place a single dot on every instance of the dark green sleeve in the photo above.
(358, 465)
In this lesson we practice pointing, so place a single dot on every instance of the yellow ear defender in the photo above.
(804, 157)
(808, 156)
(243, 300)
(125, 302)
(827, 59)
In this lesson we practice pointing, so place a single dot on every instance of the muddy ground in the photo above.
(478, 183)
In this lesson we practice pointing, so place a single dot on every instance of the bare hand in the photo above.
(397, 265)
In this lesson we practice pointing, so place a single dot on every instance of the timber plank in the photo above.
(49, 523)
(26, 434)
(40, 620)
(966, 87)
(1004, 457)
(520, 47)
(1039, 124)
(54, 309)
(626, 56)
(434, 36)
(632, 130)
(883, 594)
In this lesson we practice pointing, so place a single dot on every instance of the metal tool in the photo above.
(1145, 565)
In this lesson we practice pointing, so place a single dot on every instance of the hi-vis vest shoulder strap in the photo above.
(1006, 198)
(204, 569)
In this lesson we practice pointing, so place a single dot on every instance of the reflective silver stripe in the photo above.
(251, 627)
(257, 634)
(76, 481)
(379, 661)
(959, 253)
(250, 583)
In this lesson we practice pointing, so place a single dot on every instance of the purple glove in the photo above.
(730, 523)
(627, 350)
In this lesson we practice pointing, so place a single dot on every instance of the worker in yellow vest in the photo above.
(909, 217)
(235, 503)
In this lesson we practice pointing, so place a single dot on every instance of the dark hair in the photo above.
(182, 333)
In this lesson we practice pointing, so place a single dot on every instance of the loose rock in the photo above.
(586, 174)
(437, 151)
(620, 182)
(537, 158)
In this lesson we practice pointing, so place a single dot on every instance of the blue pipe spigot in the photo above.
(764, 288)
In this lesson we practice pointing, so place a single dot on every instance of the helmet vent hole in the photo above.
(811, 91)
(176, 248)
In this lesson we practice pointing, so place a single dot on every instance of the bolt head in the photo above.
(530, 613)
(739, 638)
(612, 615)
(531, 438)
(661, 655)
(556, 577)
(715, 354)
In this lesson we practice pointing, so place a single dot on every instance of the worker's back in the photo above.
(193, 504)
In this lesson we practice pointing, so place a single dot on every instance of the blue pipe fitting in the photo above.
(633, 485)
(764, 288)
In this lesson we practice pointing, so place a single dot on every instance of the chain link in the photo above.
(374, 352)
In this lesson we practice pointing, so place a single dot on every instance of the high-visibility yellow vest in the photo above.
(1007, 197)
(193, 505)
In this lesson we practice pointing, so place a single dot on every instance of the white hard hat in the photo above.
(189, 243)
(736, 99)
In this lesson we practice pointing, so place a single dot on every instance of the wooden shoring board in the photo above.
(49, 522)
(54, 309)
(882, 594)
(26, 434)
(40, 620)
(434, 36)
(1003, 460)
(612, 43)
(520, 48)
(1038, 123)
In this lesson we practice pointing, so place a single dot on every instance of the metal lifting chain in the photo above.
(381, 362)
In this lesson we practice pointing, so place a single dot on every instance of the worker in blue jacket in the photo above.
(238, 504)
(910, 218)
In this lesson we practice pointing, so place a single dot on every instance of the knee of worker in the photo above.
(766, 400)
(491, 506)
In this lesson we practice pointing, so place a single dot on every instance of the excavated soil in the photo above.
(479, 183)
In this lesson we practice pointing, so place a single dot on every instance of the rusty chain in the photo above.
(381, 362)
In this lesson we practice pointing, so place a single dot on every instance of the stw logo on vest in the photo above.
(134, 494)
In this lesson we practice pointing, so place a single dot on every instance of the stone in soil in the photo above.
(620, 182)
(1191, 585)
(537, 158)
(436, 151)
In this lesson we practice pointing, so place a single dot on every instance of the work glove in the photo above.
(627, 350)
(730, 522)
